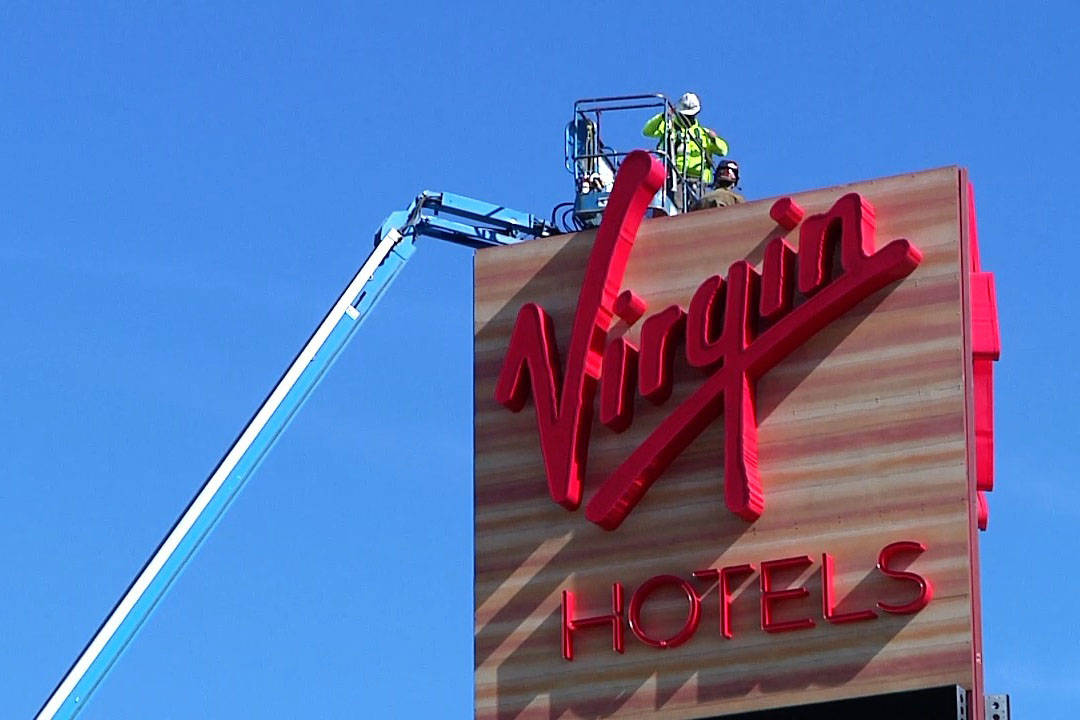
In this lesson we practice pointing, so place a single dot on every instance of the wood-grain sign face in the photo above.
(725, 461)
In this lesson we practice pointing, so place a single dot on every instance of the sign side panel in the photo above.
(966, 268)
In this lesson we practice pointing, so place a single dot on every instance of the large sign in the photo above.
(777, 420)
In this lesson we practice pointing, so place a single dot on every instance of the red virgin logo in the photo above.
(735, 330)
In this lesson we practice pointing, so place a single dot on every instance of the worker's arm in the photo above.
(714, 143)
(655, 126)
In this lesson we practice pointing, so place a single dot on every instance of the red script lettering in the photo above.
(736, 329)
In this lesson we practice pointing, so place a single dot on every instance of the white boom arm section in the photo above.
(474, 224)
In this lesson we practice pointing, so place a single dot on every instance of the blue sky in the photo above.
(186, 188)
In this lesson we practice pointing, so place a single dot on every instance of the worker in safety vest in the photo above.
(689, 144)
(724, 192)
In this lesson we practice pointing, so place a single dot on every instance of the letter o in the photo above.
(692, 617)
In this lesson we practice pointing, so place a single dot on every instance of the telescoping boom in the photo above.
(442, 216)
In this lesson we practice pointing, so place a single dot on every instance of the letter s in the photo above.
(926, 590)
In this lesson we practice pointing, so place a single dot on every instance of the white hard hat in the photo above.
(689, 104)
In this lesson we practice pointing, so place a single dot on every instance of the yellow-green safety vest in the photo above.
(689, 141)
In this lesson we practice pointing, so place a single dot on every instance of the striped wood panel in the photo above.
(862, 443)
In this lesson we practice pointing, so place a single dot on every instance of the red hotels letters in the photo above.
(769, 597)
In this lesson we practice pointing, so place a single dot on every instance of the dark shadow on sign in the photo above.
(848, 653)
(755, 256)
(565, 268)
(805, 359)
(595, 662)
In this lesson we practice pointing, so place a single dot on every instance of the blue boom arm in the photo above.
(442, 216)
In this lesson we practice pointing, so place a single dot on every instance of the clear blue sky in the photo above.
(184, 190)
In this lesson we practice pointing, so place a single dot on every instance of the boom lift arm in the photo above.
(442, 216)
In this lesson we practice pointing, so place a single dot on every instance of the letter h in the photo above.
(571, 624)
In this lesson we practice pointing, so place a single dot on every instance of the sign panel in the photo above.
(726, 461)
